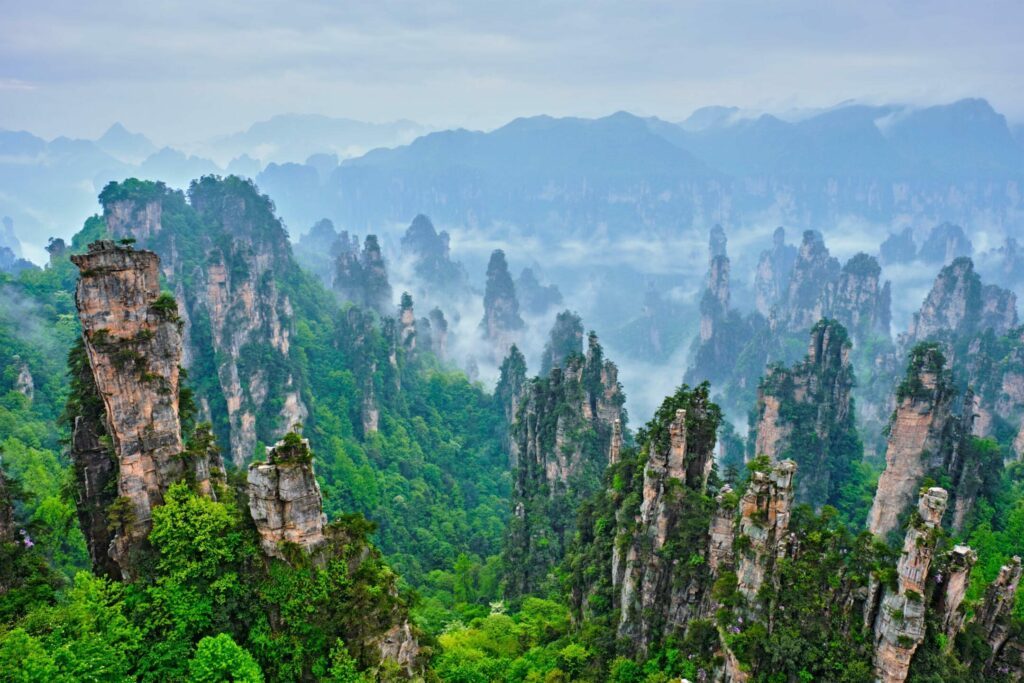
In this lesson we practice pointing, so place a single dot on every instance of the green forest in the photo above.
(431, 526)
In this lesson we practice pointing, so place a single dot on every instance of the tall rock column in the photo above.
(900, 624)
(806, 413)
(994, 615)
(501, 323)
(134, 344)
(917, 431)
(764, 521)
(961, 560)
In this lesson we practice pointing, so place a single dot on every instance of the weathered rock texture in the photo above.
(993, 617)
(96, 490)
(562, 434)
(764, 519)
(900, 624)
(858, 299)
(805, 413)
(651, 593)
(133, 340)
(223, 256)
(951, 597)
(920, 432)
(285, 500)
(815, 268)
(565, 340)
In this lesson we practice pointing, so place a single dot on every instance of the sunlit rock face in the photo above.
(133, 338)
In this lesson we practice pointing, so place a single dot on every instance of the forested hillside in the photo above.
(215, 467)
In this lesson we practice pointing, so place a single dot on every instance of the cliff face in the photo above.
(920, 429)
(858, 299)
(806, 413)
(561, 435)
(773, 271)
(993, 617)
(222, 256)
(764, 520)
(133, 339)
(566, 339)
(430, 253)
(815, 268)
(723, 331)
(655, 594)
(362, 278)
(900, 625)
(501, 322)
(285, 500)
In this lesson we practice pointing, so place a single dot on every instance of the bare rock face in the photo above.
(994, 614)
(773, 272)
(24, 383)
(363, 278)
(959, 306)
(900, 624)
(509, 392)
(399, 645)
(406, 324)
(961, 560)
(285, 500)
(918, 429)
(231, 304)
(501, 323)
(134, 349)
(438, 333)
(806, 413)
(858, 299)
(649, 597)
(562, 436)
(764, 519)
(815, 268)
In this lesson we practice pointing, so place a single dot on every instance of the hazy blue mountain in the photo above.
(294, 137)
(121, 143)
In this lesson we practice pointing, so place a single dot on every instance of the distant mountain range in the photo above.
(622, 174)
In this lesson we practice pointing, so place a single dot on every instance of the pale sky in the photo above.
(184, 70)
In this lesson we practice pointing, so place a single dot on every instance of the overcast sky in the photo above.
(183, 70)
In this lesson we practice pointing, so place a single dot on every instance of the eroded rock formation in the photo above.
(993, 616)
(362, 278)
(562, 437)
(566, 339)
(773, 271)
(133, 338)
(900, 624)
(814, 268)
(501, 323)
(806, 413)
(285, 500)
(919, 432)
(764, 520)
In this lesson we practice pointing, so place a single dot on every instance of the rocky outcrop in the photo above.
(24, 384)
(399, 645)
(285, 500)
(764, 520)
(919, 432)
(945, 243)
(509, 392)
(96, 490)
(362, 278)
(565, 340)
(898, 247)
(859, 300)
(900, 624)
(806, 413)
(771, 279)
(651, 595)
(223, 256)
(993, 617)
(133, 339)
(501, 323)
(406, 324)
(813, 270)
(562, 440)
(536, 298)
(436, 327)
(430, 253)
(953, 587)
(723, 332)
